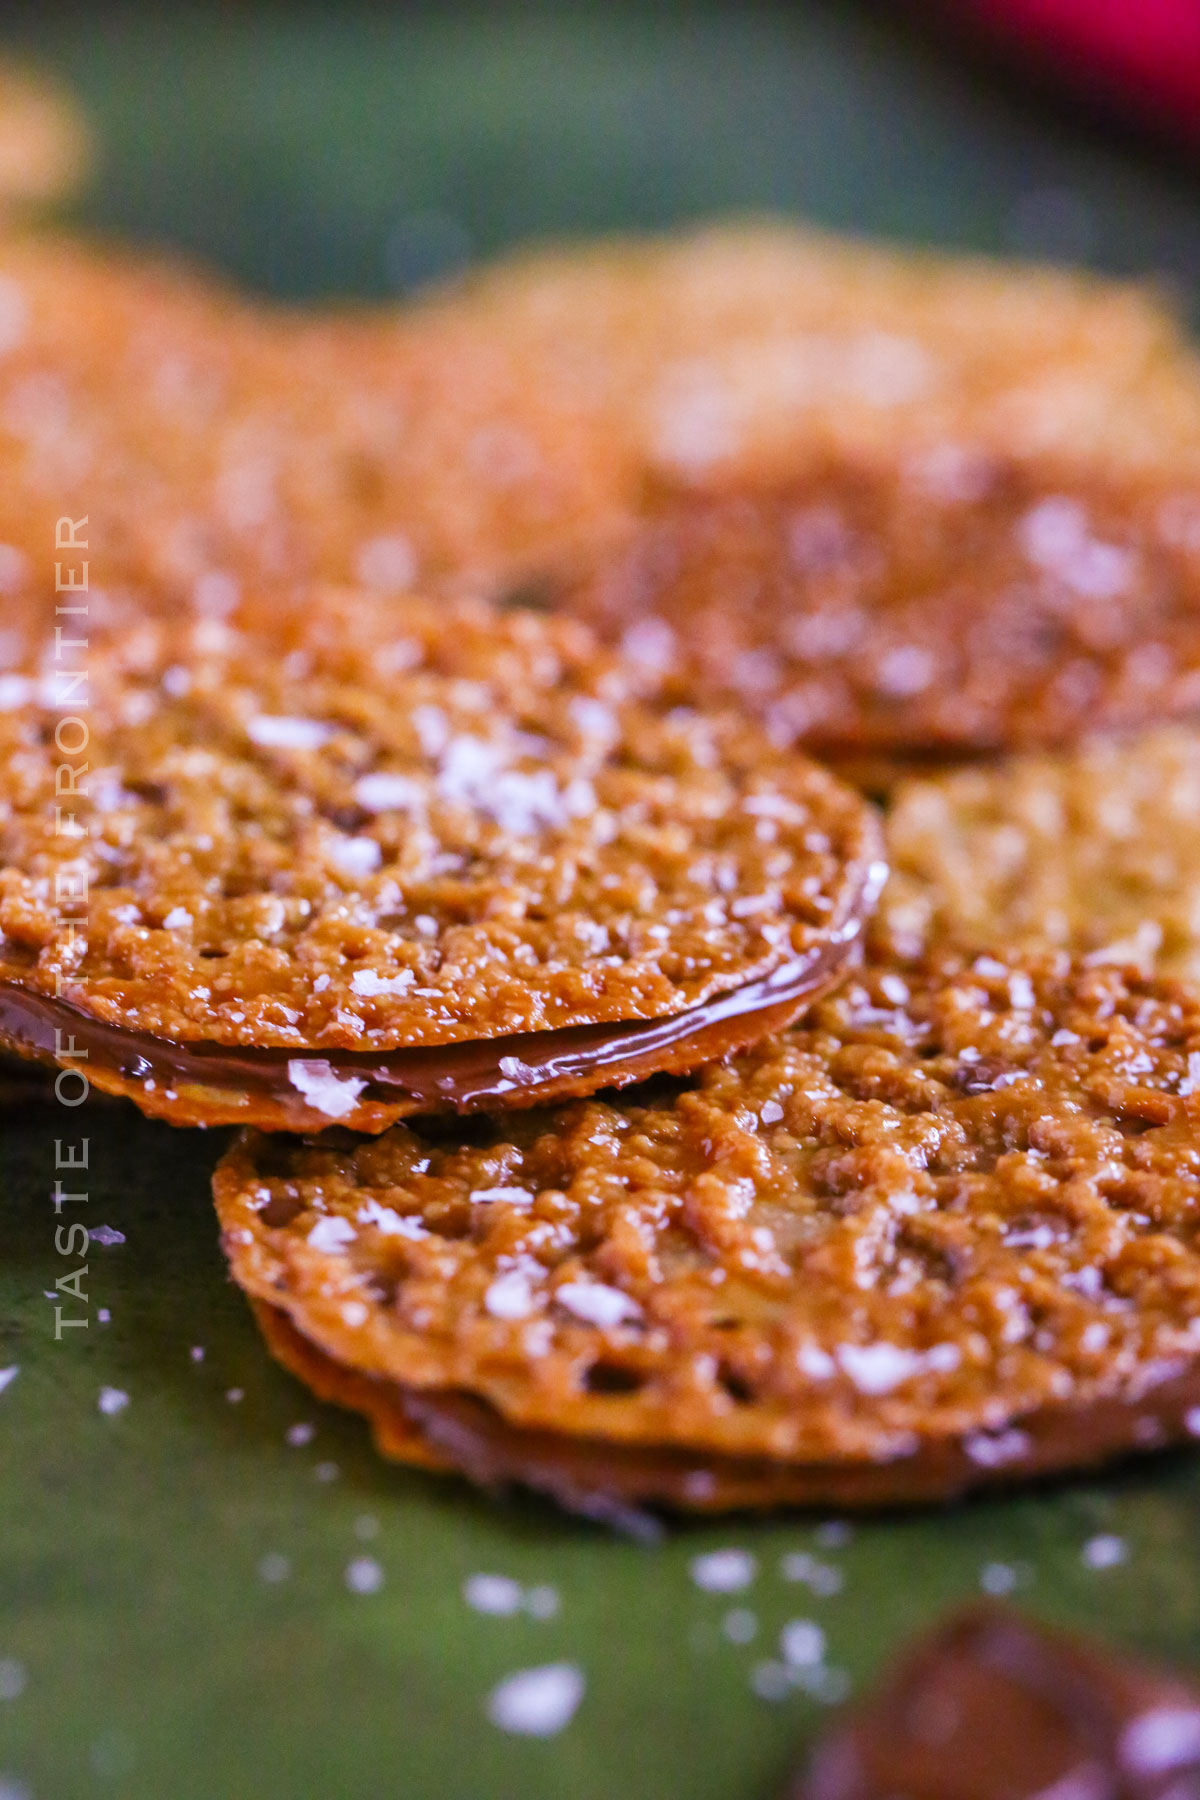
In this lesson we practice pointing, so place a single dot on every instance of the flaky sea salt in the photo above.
(802, 1643)
(1105, 1551)
(879, 1368)
(371, 985)
(597, 1304)
(499, 1595)
(382, 792)
(326, 1092)
(509, 1296)
(388, 1221)
(331, 1235)
(275, 732)
(364, 1575)
(537, 1702)
(510, 1196)
(723, 1571)
(354, 857)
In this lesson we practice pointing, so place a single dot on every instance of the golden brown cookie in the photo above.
(377, 856)
(938, 1236)
(875, 610)
(1094, 850)
(505, 430)
(745, 348)
(45, 146)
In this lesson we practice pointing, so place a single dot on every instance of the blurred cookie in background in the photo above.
(1095, 850)
(46, 147)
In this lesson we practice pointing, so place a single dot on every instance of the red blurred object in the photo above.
(1141, 54)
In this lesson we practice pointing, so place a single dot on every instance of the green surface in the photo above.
(144, 1650)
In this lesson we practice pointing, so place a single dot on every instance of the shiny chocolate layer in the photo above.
(613, 1480)
(214, 1083)
(993, 1706)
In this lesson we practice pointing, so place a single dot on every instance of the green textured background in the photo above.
(142, 1651)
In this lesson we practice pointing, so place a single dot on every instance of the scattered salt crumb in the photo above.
(103, 1315)
(1105, 1551)
(112, 1400)
(771, 1680)
(821, 1578)
(723, 1571)
(509, 1296)
(509, 1196)
(106, 1236)
(15, 691)
(364, 1575)
(390, 1222)
(388, 793)
(355, 1314)
(537, 1702)
(327, 1093)
(274, 1567)
(802, 1643)
(9, 1375)
(326, 1471)
(12, 1678)
(597, 1304)
(371, 985)
(331, 1234)
(997, 1578)
(235, 1395)
(197, 1353)
(880, 1367)
(274, 732)
(740, 1625)
(14, 1790)
(541, 1601)
(496, 1594)
(992, 1450)
(1191, 1421)
(1162, 1740)
(354, 857)
(299, 1435)
(770, 1112)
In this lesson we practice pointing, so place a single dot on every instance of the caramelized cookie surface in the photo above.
(942, 1234)
(1094, 849)
(503, 431)
(927, 606)
(378, 829)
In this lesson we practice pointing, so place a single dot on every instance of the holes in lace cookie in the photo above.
(152, 792)
(735, 1385)
(613, 1378)
(281, 1209)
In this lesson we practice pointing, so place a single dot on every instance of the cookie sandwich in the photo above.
(935, 1237)
(376, 858)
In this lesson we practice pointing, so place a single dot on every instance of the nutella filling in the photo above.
(461, 1076)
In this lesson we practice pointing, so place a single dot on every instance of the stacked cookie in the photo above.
(611, 1128)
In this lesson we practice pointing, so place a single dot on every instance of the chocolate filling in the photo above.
(993, 1706)
(520, 1069)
